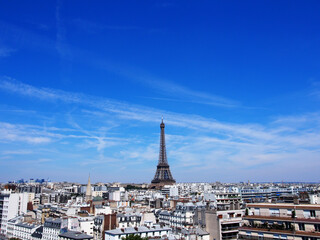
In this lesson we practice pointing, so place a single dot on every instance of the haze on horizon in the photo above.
(83, 86)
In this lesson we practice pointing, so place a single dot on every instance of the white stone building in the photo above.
(51, 229)
(153, 232)
(11, 205)
(86, 224)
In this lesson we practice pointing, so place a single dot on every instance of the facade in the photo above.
(103, 223)
(227, 198)
(11, 225)
(86, 225)
(51, 229)
(220, 224)
(153, 232)
(223, 224)
(23, 230)
(281, 221)
(262, 194)
(163, 174)
(11, 205)
(181, 217)
(170, 191)
(128, 220)
(98, 227)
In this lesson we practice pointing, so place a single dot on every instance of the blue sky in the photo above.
(83, 86)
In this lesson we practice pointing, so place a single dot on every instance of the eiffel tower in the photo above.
(163, 174)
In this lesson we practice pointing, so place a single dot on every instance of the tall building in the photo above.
(11, 205)
(163, 174)
(89, 190)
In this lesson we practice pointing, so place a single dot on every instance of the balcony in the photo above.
(282, 218)
(230, 229)
(253, 237)
(280, 231)
(230, 237)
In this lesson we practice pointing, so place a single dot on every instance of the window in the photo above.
(257, 211)
(289, 212)
(312, 213)
(274, 212)
(301, 227)
(317, 227)
(306, 213)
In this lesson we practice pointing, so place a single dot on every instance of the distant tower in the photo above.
(89, 190)
(163, 174)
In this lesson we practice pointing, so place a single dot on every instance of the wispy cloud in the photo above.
(17, 152)
(189, 95)
(93, 27)
(6, 52)
(204, 145)
(69, 53)
(19, 133)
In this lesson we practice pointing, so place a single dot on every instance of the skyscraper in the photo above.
(163, 174)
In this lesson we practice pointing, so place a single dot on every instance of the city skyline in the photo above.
(83, 89)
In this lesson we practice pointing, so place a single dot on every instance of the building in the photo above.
(86, 224)
(182, 216)
(170, 191)
(103, 223)
(37, 234)
(11, 205)
(163, 174)
(194, 234)
(220, 223)
(154, 231)
(281, 221)
(128, 220)
(51, 229)
(23, 230)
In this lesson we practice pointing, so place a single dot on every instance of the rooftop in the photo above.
(75, 235)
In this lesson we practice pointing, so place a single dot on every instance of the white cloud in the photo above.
(206, 145)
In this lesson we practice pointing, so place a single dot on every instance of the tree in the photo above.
(134, 237)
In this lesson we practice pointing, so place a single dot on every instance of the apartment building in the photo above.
(154, 231)
(11, 205)
(223, 224)
(281, 221)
